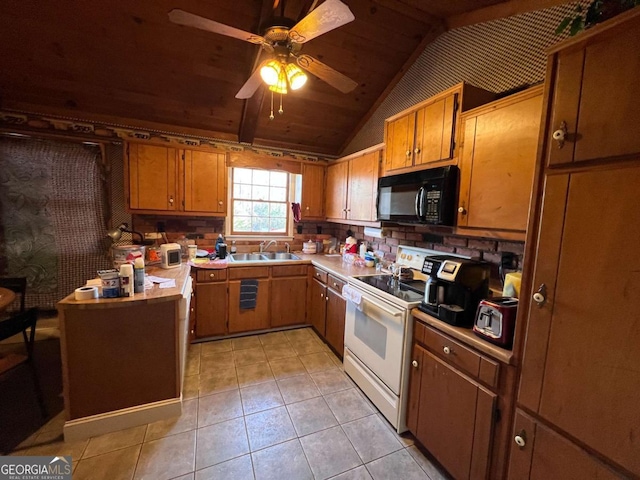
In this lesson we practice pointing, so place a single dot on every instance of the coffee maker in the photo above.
(454, 288)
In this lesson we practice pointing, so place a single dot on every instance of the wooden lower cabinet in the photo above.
(317, 306)
(253, 319)
(288, 301)
(211, 308)
(453, 417)
(543, 454)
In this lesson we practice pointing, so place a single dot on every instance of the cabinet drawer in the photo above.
(461, 356)
(320, 275)
(248, 272)
(288, 270)
(335, 283)
(211, 275)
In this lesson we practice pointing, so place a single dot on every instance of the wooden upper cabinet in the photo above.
(497, 161)
(363, 187)
(163, 179)
(336, 200)
(205, 182)
(399, 138)
(426, 133)
(434, 131)
(596, 94)
(152, 177)
(312, 206)
(352, 186)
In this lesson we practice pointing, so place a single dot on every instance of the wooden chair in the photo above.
(18, 285)
(19, 323)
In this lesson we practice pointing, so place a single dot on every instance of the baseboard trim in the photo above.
(86, 427)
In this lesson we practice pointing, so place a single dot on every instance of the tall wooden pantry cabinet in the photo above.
(578, 401)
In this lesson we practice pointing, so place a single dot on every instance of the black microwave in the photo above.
(427, 196)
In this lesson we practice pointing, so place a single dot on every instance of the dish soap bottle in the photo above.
(233, 246)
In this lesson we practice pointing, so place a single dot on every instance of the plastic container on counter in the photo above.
(122, 254)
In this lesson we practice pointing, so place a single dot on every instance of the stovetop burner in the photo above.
(408, 290)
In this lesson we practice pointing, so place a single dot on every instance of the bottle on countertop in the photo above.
(138, 275)
(126, 280)
(233, 246)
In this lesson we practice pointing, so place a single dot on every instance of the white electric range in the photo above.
(378, 333)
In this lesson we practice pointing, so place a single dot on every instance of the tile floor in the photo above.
(271, 406)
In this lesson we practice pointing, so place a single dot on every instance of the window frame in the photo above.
(287, 234)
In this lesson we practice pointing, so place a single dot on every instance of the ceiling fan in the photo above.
(283, 39)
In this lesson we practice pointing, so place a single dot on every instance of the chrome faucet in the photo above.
(264, 248)
(288, 247)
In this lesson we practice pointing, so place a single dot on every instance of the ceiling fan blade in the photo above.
(251, 85)
(190, 20)
(331, 14)
(326, 73)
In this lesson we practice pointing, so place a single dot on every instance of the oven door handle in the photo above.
(385, 310)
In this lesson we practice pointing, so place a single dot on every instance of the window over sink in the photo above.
(260, 202)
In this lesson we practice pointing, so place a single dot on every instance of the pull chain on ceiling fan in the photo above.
(283, 39)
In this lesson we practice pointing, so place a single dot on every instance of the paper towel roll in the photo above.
(86, 293)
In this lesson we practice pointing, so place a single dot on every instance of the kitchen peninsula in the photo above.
(123, 358)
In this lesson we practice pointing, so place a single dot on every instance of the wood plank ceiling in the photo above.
(124, 62)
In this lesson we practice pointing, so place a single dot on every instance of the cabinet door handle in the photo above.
(220, 202)
(171, 201)
(417, 151)
(447, 350)
(326, 298)
(462, 210)
(521, 439)
(212, 275)
(561, 134)
(321, 295)
(415, 364)
(335, 284)
(540, 297)
(408, 153)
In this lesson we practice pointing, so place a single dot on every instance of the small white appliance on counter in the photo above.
(170, 255)
(379, 330)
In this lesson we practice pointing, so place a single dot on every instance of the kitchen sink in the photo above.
(247, 257)
(280, 256)
(262, 257)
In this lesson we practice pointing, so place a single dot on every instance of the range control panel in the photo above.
(414, 257)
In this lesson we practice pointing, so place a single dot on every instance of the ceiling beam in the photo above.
(253, 105)
(500, 10)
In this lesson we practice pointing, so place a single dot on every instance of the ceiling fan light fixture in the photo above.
(270, 73)
(295, 76)
(281, 84)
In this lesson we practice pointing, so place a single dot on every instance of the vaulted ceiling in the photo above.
(124, 62)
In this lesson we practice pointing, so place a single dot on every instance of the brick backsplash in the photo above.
(206, 231)
(209, 227)
(477, 248)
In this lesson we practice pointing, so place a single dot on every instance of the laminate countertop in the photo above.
(152, 295)
(331, 263)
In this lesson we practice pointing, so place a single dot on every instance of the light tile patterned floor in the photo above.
(271, 406)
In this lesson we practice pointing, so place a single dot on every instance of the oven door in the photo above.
(375, 334)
